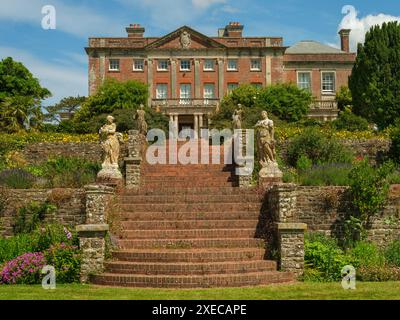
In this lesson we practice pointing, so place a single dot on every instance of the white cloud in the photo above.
(61, 80)
(74, 19)
(204, 4)
(360, 25)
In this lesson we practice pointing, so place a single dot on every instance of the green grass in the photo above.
(308, 290)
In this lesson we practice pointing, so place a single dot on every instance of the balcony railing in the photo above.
(324, 105)
(184, 103)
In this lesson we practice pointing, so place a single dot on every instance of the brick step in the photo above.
(188, 224)
(194, 183)
(193, 281)
(191, 243)
(194, 215)
(227, 190)
(188, 234)
(194, 180)
(189, 167)
(196, 268)
(179, 176)
(190, 255)
(190, 198)
(189, 207)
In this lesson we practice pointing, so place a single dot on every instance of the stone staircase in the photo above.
(190, 226)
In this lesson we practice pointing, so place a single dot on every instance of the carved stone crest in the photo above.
(185, 40)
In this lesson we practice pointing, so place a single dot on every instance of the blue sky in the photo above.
(58, 59)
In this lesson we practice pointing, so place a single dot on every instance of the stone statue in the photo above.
(141, 121)
(266, 147)
(109, 139)
(237, 118)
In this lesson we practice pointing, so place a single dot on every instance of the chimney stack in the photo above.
(345, 39)
(135, 31)
(234, 30)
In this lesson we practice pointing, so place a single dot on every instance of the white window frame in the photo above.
(209, 61)
(229, 67)
(298, 79)
(232, 84)
(206, 92)
(110, 65)
(259, 63)
(141, 61)
(162, 94)
(188, 62)
(333, 91)
(185, 96)
(159, 65)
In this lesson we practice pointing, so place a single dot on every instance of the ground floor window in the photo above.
(328, 82)
(304, 80)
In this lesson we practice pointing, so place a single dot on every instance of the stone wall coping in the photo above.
(92, 227)
(291, 226)
(99, 188)
(133, 159)
(285, 187)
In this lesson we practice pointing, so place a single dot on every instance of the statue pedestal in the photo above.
(110, 174)
(269, 175)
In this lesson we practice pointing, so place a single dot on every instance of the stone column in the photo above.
(289, 234)
(92, 233)
(197, 93)
(196, 125)
(136, 150)
(201, 123)
(291, 247)
(173, 79)
(221, 80)
(176, 125)
(150, 80)
(244, 178)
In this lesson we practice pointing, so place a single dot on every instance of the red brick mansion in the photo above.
(188, 73)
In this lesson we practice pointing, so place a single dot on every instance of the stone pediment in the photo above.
(185, 38)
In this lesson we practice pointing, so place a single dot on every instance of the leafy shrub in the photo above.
(392, 253)
(24, 269)
(378, 273)
(394, 151)
(111, 96)
(324, 255)
(351, 122)
(67, 172)
(366, 254)
(16, 179)
(369, 189)
(344, 98)
(332, 174)
(39, 240)
(31, 216)
(286, 101)
(66, 260)
(317, 147)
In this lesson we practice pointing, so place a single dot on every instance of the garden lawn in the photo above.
(307, 290)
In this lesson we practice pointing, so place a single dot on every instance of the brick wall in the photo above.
(323, 208)
(371, 148)
(38, 152)
(70, 203)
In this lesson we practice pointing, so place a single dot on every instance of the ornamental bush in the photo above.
(66, 260)
(318, 147)
(25, 269)
(16, 179)
(392, 253)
